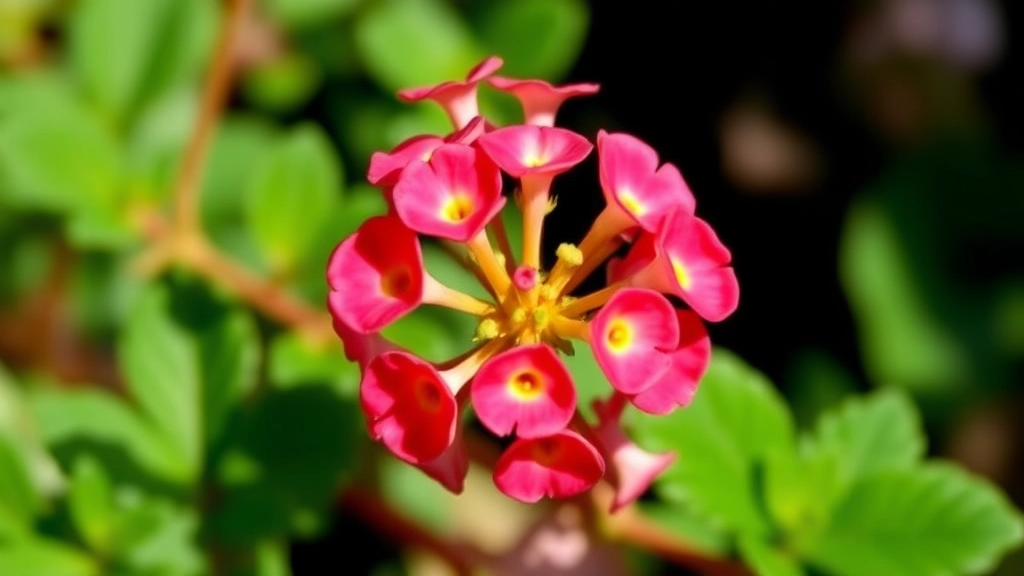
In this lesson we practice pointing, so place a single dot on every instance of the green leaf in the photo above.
(67, 416)
(162, 369)
(272, 559)
(155, 145)
(18, 497)
(240, 144)
(936, 520)
(873, 433)
(690, 527)
(18, 425)
(305, 13)
(229, 353)
(420, 498)
(155, 537)
(767, 561)
(801, 490)
(37, 556)
(591, 382)
(55, 156)
(294, 362)
(281, 84)
(903, 343)
(91, 502)
(124, 54)
(736, 421)
(293, 194)
(406, 43)
(443, 266)
(435, 334)
(537, 38)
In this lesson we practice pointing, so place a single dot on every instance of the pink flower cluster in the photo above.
(653, 350)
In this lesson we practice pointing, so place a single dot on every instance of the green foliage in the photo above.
(293, 195)
(125, 54)
(854, 496)
(556, 28)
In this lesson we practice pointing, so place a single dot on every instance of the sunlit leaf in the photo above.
(18, 497)
(873, 433)
(281, 84)
(126, 53)
(537, 38)
(736, 421)
(407, 43)
(55, 156)
(162, 369)
(229, 358)
(156, 537)
(69, 416)
(303, 13)
(767, 561)
(903, 343)
(91, 502)
(293, 195)
(294, 361)
(936, 520)
(38, 556)
(681, 521)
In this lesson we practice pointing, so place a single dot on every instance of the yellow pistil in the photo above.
(618, 336)
(526, 385)
(457, 208)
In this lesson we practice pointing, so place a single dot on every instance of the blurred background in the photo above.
(862, 160)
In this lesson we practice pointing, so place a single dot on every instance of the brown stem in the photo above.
(214, 97)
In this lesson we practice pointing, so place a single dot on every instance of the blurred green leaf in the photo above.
(767, 561)
(156, 537)
(162, 369)
(406, 43)
(103, 290)
(815, 382)
(67, 416)
(736, 421)
(282, 477)
(240, 144)
(55, 156)
(124, 54)
(936, 520)
(902, 342)
(19, 427)
(801, 488)
(281, 84)
(537, 38)
(362, 202)
(687, 525)
(294, 361)
(591, 383)
(18, 497)
(873, 433)
(229, 353)
(91, 502)
(303, 13)
(444, 267)
(415, 494)
(436, 334)
(38, 556)
(272, 559)
(156, 142)
(293, 195)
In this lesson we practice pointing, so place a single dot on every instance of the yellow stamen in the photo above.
(489, 264)
(619, 336)
(570, 254)
(587, 303)
(487, 329)
(440, 295)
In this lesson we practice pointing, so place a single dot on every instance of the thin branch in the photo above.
(214, 97)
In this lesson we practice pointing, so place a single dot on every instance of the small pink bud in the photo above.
(525, 278)
(540, 100)
(457, 98)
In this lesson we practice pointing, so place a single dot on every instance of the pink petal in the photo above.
(632, 181)
(453, 196)
(696, 265)
(457, 98)
(386, 167)
(558, 466)
(525, 149)
(450, 468)
(631, 336)
(409, 407)
(631, 469)
(689, 362)
(526, 389)
(375, 275)
(540, 100)
(361, 348)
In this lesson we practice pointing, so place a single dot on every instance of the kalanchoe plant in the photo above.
(653, 351)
